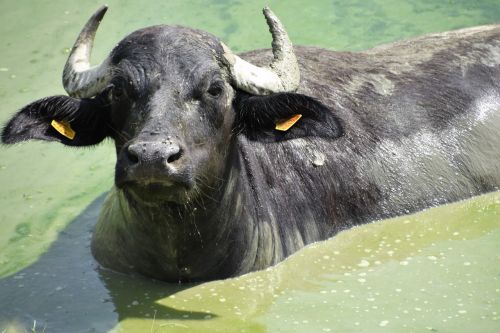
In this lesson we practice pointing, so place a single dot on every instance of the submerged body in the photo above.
(206, 188)
(420, 129)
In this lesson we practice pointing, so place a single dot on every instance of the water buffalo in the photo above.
(211, 181)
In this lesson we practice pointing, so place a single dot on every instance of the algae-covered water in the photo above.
(436, 271)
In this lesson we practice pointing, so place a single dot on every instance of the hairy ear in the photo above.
(257, 117)
(71, 121)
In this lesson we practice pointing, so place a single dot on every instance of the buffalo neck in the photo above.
(176, 242)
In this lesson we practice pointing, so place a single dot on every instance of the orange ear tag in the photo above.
(63, 128)
(285, 125)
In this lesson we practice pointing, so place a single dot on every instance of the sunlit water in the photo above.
(436, 271)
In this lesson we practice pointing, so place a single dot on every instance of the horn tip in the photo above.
(269, 15)
(99, 14)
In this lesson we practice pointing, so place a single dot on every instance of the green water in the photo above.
(437, 271)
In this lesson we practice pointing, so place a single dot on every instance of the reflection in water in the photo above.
(62, 283)
(136, 297)
(65, 290)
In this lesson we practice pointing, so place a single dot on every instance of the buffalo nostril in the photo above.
(133, 154)
(174, 157)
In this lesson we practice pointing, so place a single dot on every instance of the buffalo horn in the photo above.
(283, 72)
(79, 79)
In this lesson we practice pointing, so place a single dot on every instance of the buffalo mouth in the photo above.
(156, 192)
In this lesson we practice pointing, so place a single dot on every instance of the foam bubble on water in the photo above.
(383, 323)
(364, 263)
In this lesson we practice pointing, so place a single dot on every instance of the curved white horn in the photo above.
(79, 79)
(283, 73)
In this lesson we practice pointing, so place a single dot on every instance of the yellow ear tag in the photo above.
(286, 124)
(63, 128)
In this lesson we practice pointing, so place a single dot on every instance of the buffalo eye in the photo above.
(215, 89)
(116, 93)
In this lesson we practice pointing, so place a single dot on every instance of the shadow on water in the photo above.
(66, 290)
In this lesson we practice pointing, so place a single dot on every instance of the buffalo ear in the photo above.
(81, 122)
(257, 117)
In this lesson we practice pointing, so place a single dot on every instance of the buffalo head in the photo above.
(167, 97)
